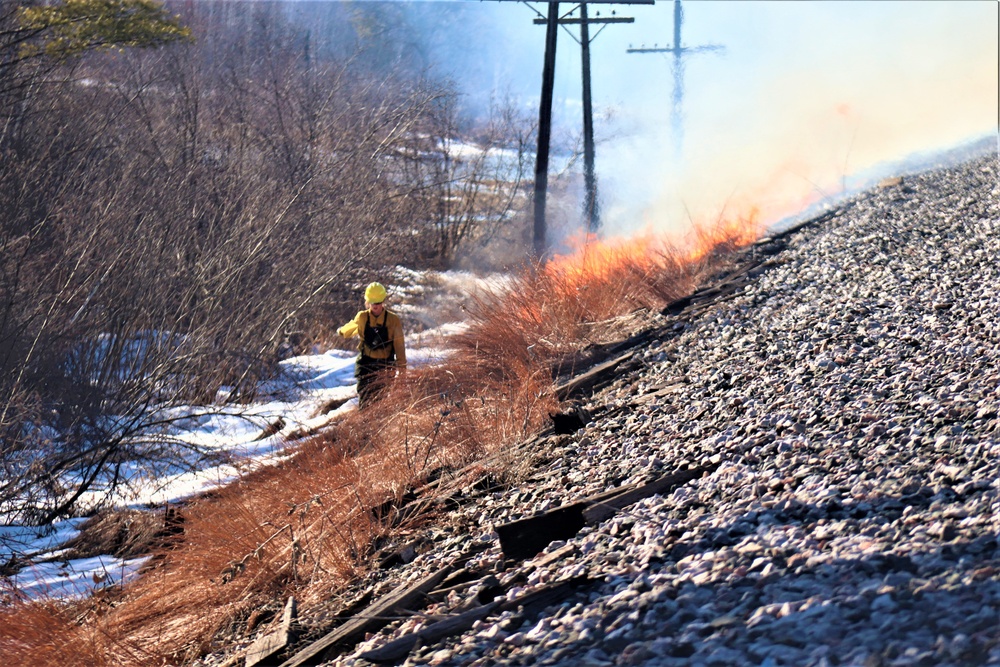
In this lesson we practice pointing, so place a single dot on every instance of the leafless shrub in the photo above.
(168, 220)
(468, 192)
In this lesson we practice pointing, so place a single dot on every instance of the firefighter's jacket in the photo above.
(391, 321)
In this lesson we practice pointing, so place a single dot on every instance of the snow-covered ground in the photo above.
(233, 435)
(235, 438)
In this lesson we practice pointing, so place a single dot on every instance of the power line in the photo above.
(680, 52)
(552, 21)
(590, 207)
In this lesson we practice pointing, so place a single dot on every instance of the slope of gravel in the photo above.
(850, 396)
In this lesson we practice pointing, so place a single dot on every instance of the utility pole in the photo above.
(589, 177)
(679, 52)
(551, 22)
(545, 129)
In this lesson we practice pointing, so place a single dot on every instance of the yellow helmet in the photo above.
(375, 293)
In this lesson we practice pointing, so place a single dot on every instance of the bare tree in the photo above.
(467, 180)
(168, 218)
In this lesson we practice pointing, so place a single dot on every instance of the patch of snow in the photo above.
(76, 578)
(234, 437)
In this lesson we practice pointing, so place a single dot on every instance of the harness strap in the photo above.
(389, 343)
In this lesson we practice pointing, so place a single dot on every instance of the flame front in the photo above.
(615, 262)
(579, 298)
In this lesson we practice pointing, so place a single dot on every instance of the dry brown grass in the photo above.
(123, 533)
(566, 304)
(47, 634)
(305, 527)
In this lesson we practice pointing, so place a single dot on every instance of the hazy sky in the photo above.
(805, 95)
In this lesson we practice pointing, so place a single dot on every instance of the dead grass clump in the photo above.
(457, 412)
(304, 527)
(300, 528)
(555, 310)
(123, 533)
(47, 634)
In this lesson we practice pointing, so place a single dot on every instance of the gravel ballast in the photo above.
(848, 400)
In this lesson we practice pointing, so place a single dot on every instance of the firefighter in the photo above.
(380, 347)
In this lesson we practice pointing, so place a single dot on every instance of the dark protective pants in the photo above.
(372, 376)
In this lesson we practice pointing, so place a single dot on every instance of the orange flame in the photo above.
(725, 233)
(604, 279)
(596, 261)
(592, 296)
